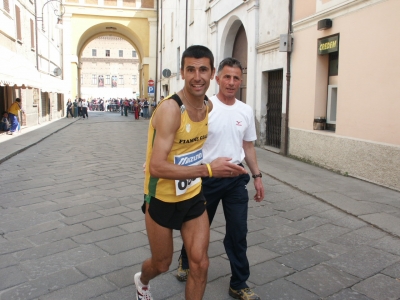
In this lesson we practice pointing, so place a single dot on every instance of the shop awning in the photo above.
(16, 70)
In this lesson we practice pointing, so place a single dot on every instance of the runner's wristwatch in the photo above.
(257, 175)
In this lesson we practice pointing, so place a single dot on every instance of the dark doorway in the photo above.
(274, 108)
(240, 52)
(3, 104)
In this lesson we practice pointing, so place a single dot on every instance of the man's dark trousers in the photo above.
(235, 198)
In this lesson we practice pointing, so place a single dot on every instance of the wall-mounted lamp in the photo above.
(59, 24)
(59, 12)
(324, 24)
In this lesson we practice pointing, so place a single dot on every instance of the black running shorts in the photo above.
(173, 215)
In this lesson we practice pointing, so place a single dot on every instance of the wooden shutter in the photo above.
(32, 34)
(18, 20)
(6, 6)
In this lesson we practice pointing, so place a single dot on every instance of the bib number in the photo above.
(188, 159)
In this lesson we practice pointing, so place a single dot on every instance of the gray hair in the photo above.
(230, 62)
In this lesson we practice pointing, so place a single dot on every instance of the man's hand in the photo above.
(259, 196)
(222, 167)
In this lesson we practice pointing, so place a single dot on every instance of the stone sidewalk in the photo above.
(71, 225)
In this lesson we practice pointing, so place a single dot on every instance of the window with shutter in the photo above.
(18, 21)
(32, 34)
(6, 6)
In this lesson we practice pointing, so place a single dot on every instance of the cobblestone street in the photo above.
(71, 226)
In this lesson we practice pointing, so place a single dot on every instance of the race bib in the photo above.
(188, 159)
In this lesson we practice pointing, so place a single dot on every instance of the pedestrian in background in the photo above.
(69, 108)
(146, 109)
(80, 107)
(126, 107)
(231, 132)
(136, 108)
(85, 109)
(13, 111)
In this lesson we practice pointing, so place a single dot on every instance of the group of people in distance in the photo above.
(82, 108)
(193, 163)
(140, 107)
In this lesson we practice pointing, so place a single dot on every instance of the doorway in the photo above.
(240, 53)
(274, 109)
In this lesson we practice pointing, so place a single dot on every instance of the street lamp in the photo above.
(59, 12)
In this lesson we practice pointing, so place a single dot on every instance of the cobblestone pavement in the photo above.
(71, 225)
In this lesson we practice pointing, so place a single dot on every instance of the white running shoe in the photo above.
(142, 292)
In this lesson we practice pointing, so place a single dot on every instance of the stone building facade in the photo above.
(319, 75)
(109, 69)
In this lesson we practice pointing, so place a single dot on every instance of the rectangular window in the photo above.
(107, 53)
(334, 64)
(6, 6)
(121, 53)
(94, 52)
(101, 81)
(172, 26)
(134, 54)
(114, 81)
(121, 79)
(163, 36)
(94, 79)
(134, 79)
(191, 12)
(332, 104)
(108, 79)
(32, 27)
(178, 62)
(18, 22)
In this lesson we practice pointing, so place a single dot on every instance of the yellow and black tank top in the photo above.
(186, 150)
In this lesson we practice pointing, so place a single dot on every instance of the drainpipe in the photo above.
(288, 60)
(36, 38)
(156, 81)
(186, 24)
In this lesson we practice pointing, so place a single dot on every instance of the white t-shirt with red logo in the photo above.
(228, 127)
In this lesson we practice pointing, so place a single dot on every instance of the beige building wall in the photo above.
(98, 69)
(365, 143)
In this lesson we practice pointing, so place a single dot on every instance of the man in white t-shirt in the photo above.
(231, 133)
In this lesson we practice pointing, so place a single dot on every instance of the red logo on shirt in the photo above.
(239, 123)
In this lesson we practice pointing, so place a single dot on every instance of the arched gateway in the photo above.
(134, 21)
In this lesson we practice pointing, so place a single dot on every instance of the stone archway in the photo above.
(234, 43)
(81, 27)
(240, 52)
(84, 41)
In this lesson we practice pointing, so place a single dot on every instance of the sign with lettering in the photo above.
(328, 45)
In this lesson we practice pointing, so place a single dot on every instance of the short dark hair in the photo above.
(230, 62)
(198, 51)
(18, 100)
